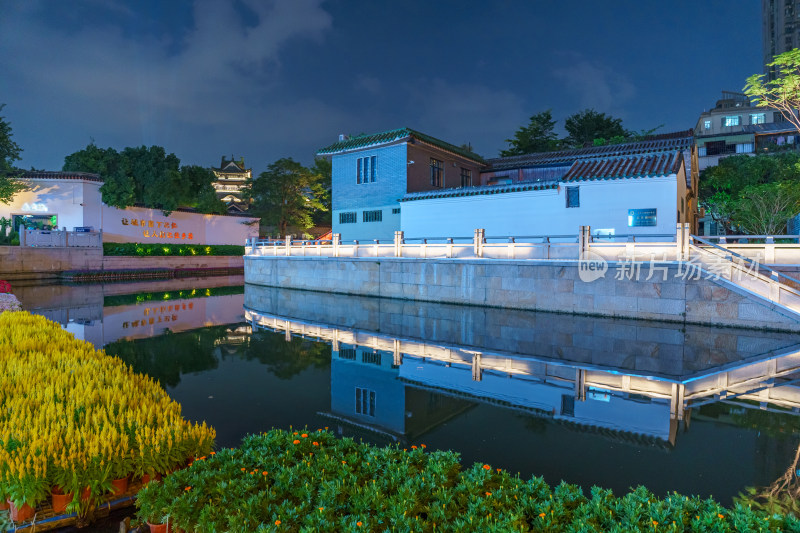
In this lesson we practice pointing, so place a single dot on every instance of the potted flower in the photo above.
(23, 495)
(153, 508)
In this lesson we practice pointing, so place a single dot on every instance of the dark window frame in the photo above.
(437, 172)
(573, 196)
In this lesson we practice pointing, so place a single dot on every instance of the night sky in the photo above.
(266, 80)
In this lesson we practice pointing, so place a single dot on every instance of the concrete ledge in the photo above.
(545, 285)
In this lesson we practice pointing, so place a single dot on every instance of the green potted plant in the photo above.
(24, 494)
(153, 507)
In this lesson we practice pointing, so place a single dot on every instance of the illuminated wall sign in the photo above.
(34, 206)
(156, 224)
(641, 217)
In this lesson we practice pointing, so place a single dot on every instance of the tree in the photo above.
(287, 194)
(765, 209)
(782, 93)
(147, 176)
(9, 152)
(587, 125)
(731, 191)
(322, 169)
(537, 136)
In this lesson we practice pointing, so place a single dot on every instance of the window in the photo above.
(758, 118)
(437, 172)
(347, 218)
(395, 210)
(365, 402)
(567, 405)
(466, 177)
(641, 217)
(573, 197)
(371, 358)
(372, 216)
(347, 353)
(744, 148)
(707, 124)
(732, 120)
(366, 169)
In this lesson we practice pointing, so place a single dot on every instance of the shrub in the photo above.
(312, 481)
(158, 249)
(73, 417)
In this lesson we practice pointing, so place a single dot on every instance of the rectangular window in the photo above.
(732, 120)
(641, 217)
(437, 172)
(758, 118)
(707, 124)
(347, 218)
(347, 353)
(395, 210)
(744, 148)
(371, 358)
(360, 171)
(466, 177)
(567, 405)
(372, 172)
(372, 216)
(573, 197)
(367, 169)
(365, 402)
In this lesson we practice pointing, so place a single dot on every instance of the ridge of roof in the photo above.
(663, 143)
(60, 175)
(386, 137)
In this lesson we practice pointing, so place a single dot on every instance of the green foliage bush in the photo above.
(160, 249)
(312, 481)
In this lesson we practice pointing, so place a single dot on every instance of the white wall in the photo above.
(137, 224)
(603, 205)
(75, 202)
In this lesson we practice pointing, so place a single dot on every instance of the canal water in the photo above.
(592, 401)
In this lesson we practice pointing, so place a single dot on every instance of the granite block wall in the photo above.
(554, 286)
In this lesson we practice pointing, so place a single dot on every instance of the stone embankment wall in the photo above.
(18, 263)
(534, 285)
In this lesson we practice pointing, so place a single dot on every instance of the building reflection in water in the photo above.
(401, 368)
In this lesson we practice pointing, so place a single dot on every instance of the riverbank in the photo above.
(668, 291)
(41, 264)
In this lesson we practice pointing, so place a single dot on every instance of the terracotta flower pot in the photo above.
(86, 494)
(25, 512)
(120, 486)
(60, 500)
(147, 477)
(4, 506)
(160, 528)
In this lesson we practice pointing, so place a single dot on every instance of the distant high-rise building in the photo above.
(780, 21)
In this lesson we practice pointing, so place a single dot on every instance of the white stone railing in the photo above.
(479, 246)
(60, 238)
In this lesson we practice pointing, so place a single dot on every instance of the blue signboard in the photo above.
(641, 217)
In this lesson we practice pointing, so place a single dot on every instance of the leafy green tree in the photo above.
(752, 193)
(322, 169)
(287, 194)
(537, 136)
(587, 125)
(782, 93)
(147, 176)
(9, 152)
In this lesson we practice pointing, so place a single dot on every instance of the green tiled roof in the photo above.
(376, 139)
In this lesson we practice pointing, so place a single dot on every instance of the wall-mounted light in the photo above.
(411, 162)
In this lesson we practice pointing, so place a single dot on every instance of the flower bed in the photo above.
(157, 249)
(312, 481)
(77, 420)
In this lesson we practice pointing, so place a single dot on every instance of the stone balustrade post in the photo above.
(769, 251)
(583, 242)
(336, 239)
(477, 242)
(399, 237)
(288, 244)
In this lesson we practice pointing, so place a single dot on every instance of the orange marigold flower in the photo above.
(264, 473)
(243, 469)
(213, 453)
(721, 516)
(358, 523)
(295, 441)
(488, 493)
(487, 467)
(344, 462)
(295, 433)
(315, 443)
(541, 515)
(304, 435)
(423, 445)
(202, 458)
(188, 488)
(321, 508)
(413, 447)
(277, 522)
(655, 523)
